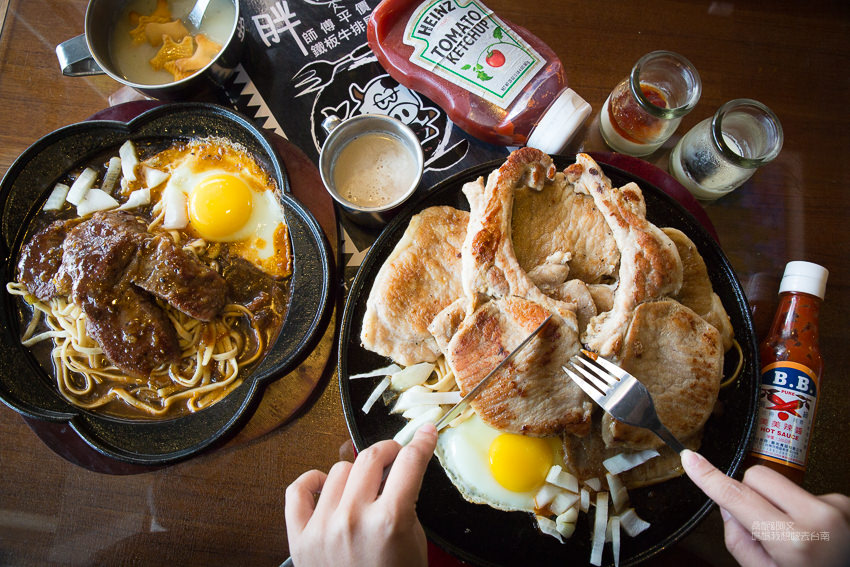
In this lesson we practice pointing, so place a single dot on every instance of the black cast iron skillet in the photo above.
(29, 388)
(484, 536)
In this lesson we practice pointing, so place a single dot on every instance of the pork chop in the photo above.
(697, 292)
(679, 358)
(559, 221)
(650, 267)
(420, 278)
(583, 457)
(490, 269)
(531, 395)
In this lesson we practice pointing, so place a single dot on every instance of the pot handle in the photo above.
(75, 59)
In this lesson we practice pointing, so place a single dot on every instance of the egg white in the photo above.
(463, 452)
(263, 239)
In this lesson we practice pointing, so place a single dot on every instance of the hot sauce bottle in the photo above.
(494, 79)
(791, 373)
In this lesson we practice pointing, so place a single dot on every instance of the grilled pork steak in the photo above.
(697, 292)
(420, 278)
(531, 395)
(650, 267)
(679, 358)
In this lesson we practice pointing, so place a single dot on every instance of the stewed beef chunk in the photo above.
(134, 333)
(109, 264)
(38, 266)
(168, 272)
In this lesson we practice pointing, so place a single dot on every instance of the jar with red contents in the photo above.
(645, 108)
(494, 79)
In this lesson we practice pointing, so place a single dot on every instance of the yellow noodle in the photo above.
(159, 216)
(207, 372)
(737, 372)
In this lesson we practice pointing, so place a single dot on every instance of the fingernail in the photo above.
(724, 514)
(427, 428)
(690, 458)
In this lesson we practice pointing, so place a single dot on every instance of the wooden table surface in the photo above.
(226, 506)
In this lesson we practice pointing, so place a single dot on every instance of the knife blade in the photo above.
(464, 403)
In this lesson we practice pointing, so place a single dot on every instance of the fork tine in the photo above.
(591, 377)
(607, 379)
(588, 388)
(610, 367)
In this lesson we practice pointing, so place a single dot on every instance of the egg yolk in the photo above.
(219, 206)
(520, 463)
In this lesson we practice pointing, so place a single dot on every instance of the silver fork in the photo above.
(619, 393)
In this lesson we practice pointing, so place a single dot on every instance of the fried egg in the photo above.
(502, 470)
(217, 192)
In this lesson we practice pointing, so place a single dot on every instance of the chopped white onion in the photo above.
(154, 177)
(566, 529)
(419, 396)
(415, 412)
(174, 202)
(613, 534)
(599, 524)
(632, 523)
(81, 186)
(545, 495)
(96, 200)
(406, 433)
(129, 160)
(625, 461)
(562, 502)
(584, 500)
(549, 527)
(57, 197)
(619, 494)
(411, 376)
(385, 371)
(376, 393)
(137, 198)
(570, 516)
(594, 484)
(113, 173)
(562, 478)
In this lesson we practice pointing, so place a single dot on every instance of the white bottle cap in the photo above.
(559, 123)
(804, 277)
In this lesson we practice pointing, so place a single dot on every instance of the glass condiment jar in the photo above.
(494, 79)
(791, 372)
(720, 153)
(645, 108)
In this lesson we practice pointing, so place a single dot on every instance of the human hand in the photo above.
(768, 520)
(354, 522)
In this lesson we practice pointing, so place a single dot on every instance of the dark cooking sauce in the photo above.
(266, 297)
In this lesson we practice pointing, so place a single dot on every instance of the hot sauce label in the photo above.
(787, 403)
(466, 44)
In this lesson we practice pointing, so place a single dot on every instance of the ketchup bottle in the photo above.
(494, 79)
(790, 374)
